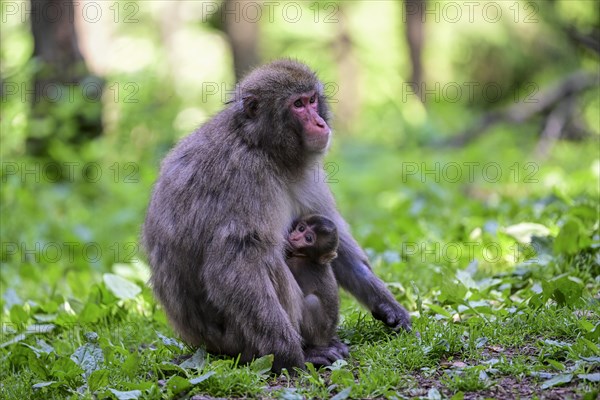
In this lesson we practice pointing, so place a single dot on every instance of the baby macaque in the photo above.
(312, 245)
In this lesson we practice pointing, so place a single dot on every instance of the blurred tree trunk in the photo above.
(61, 80)
(242, 31)
(415, 37)
(344, 96)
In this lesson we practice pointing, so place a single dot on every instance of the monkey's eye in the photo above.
(301, 228)
(312, 99)
(298, 103)
(309, 238)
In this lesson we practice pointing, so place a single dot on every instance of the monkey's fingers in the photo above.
(341, 348)
(319, 361)
(323, 356)
(393, 315)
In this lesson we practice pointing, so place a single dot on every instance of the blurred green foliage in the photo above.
(487, 232)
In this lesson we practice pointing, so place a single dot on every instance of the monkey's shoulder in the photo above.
(311, 195)
(199, 164)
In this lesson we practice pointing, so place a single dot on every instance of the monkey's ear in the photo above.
(250, 106)
(327, 258)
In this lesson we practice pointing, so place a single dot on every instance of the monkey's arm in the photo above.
(351, 267)
(353, 273)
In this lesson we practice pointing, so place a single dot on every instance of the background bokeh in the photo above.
(466, 140)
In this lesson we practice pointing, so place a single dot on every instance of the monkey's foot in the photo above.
(288, 362)
(393, 315)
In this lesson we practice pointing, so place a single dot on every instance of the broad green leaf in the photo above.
(91, 313)
(129, 395)
(11, 298)
(98, 379)
(593, 359)
(342, 377)
(590, 345)
(594, 334)
(65, 368)
(337, 364)
(16, 339)
(480, 342)
(139, 385)
(566, 290)
(44, 384)
(134, 270)
(344, 394)
(91, 337)
(595, 377)
(131, 365)
(178, 384)
(453, 293)
(262, 365)
(37, 366)
(40, 328)
(166, 366)
(585, 325)
(439, 310)
(43, 348)
(524, 231)
(18, 315)
(290, 394)
(556, 343)
(586, 213)
(45, 317)
(572, 238)
(434, 394)
(196, 361)
(466, 278)
(202, 378)
(121, 287)
(172, 344)
(591, 395)
(558, 380)
(89, 357)
(556, 364)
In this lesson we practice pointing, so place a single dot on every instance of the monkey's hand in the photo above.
(322, 356)
(393, 315)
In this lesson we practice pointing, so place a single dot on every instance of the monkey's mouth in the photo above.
(289, 251)
(318, 142)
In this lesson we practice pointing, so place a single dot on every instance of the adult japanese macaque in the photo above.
(220, 213)
(312, 245)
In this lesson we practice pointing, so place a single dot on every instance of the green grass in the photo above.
(501, 278)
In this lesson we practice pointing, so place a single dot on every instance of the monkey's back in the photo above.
(201, 221)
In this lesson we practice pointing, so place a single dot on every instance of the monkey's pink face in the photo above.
(316, 130)
(301, 237)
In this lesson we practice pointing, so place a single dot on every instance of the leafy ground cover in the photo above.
(496, 256)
